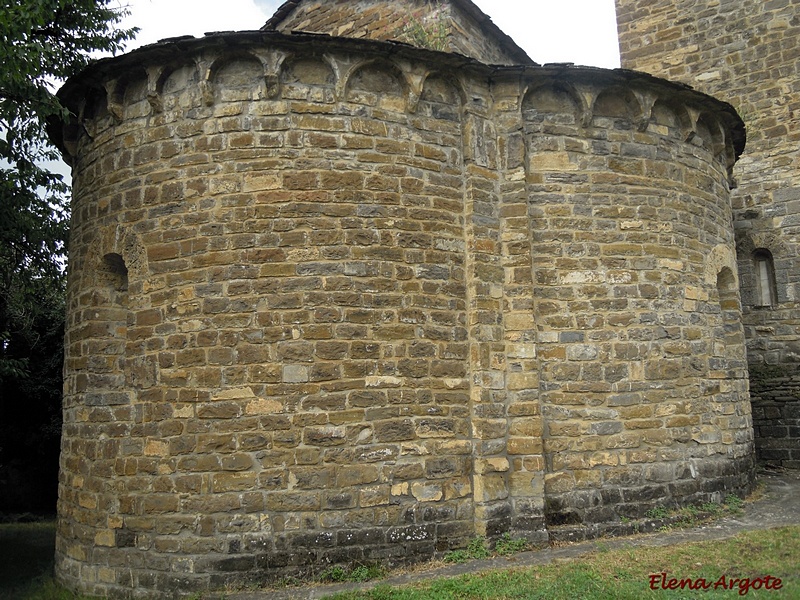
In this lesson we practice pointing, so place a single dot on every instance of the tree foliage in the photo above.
(42, 42)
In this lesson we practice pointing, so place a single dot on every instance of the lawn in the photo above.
(26, 553)
(26, 563)
(625, 574)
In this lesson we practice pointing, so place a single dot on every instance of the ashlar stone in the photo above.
(356, 323)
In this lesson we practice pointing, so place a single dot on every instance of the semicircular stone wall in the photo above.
(330, 307)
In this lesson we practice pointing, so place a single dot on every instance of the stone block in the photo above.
(325, 436)
(427, 492)
(374, 496)
(348, 476)
(441, 467)
(295, 374)
(394, 430)
(490, 487)
(491, 465)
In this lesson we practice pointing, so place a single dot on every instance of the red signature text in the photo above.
(661, 581)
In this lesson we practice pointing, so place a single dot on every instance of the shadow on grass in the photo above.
(26, 562)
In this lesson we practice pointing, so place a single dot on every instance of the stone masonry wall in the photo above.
(745, 53)
(776, 416)
(624, 290)
(433, 25)
(330, 301)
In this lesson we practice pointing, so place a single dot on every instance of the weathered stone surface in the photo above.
(742, 52)
(325, 309)
(388, 20)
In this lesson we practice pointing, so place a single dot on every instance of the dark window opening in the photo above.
(765, 290)
(116, 271)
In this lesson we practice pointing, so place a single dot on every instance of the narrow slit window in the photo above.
(766, 293)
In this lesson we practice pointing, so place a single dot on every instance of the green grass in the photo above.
(659, 512)
(26, 552)
(26, 563)
(693, 516)
(624, 574)
(476, 549)
(507, 545)
(358, 574)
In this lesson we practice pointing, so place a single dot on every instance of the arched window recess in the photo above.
(766, 294)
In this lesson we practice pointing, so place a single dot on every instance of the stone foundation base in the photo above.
(775, 396)
(305, 556)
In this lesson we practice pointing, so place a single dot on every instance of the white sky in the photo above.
(578, 31)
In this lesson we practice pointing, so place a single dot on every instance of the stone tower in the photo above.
(746, 53)
(453, 26)
(338, 300)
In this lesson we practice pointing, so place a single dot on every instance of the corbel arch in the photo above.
(378, 83)
(70, 132)
(176, 76)
(310, 76)
(618, 102)
(218, 83)
(708, 134)
(670, 118)
(272, 59)
(114, 92)
(729, 158)
(647, 99)
(442, 94)
(94, 114)
(553, 97)
(127, 95)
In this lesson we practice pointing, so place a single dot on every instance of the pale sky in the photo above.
(578, 31)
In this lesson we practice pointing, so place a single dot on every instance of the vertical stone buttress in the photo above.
(641, 401)
(745, 53)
